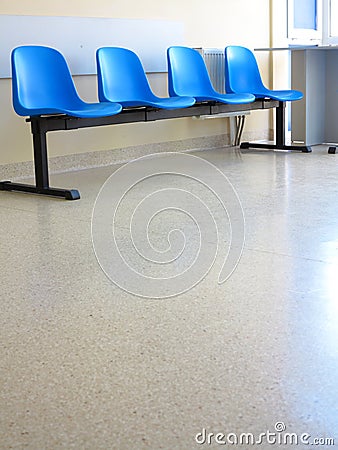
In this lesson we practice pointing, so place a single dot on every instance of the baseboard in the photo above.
(80, 161)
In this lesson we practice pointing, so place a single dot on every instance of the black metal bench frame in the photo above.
(41, 125)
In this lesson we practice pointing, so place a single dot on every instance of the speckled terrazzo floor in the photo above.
(86, 365)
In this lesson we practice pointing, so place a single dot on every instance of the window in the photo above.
(305, 21)
(313, 22)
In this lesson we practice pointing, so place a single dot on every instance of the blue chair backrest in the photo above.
(121, 76)
(41, 81)
(241, 71)
(187, 73)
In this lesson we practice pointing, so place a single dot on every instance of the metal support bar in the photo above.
(298, 148)
(280, 136)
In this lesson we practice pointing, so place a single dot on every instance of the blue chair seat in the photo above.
(283, 95)
(42, 84)
(122, 79)
(242, 75)
(188, 75)
(81, 110)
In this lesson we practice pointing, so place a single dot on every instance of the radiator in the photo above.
(214, 60)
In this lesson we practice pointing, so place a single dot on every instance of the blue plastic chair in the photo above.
(188, 75)
(122, 79)
(242, 75)
(42, 84)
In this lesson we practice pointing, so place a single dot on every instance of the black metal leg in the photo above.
(280, 136)
(40, 157)
(41, 169)
(280, 125)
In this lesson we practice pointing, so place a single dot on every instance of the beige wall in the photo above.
(215, 23)
(280, 63)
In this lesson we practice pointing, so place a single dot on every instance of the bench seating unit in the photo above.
(44, 91)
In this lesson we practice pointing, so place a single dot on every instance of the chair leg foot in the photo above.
(68, 194)
(245, 145)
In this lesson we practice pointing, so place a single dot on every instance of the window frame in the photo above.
(328, 39)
